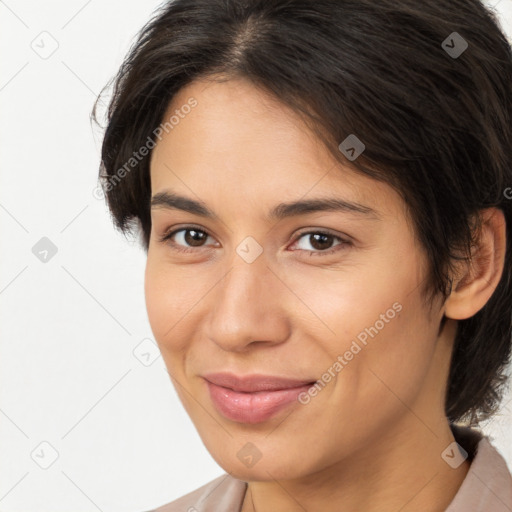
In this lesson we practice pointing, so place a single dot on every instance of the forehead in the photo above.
(239, 138)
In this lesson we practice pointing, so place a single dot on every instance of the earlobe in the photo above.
(480, 277)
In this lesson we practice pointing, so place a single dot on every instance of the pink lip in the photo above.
(253, 398)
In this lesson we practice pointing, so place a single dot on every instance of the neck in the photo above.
(401, 471)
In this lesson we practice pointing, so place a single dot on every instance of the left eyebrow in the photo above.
(281, 211)
(284, 210)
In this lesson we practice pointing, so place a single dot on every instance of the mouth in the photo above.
(255, 398)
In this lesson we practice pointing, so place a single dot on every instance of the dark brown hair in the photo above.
(427, 87)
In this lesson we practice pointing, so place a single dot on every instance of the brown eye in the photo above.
(194, 237)
(321, 243)
(185, 239)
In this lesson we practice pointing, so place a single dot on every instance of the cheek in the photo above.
(376, 321)
(389, 370)
(171, 294)
(354, 302)
(382, 376)
(405, 352)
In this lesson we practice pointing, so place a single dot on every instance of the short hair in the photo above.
(426, 86)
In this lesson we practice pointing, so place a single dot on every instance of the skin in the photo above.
(372, 439)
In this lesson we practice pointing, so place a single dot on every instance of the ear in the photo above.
(479, 278)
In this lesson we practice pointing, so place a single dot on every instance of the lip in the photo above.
(253, 398)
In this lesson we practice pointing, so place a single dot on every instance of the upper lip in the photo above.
(254, 382)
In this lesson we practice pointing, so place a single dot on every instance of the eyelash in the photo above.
(165, 238)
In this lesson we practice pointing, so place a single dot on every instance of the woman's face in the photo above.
(326, 295)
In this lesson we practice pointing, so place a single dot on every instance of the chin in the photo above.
(273, 467)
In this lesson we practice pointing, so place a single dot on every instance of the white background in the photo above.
(70, 326)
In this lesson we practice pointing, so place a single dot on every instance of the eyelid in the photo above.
(325, 231)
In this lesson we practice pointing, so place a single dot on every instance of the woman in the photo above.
(323, 191)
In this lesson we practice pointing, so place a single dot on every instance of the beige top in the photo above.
(486, 488)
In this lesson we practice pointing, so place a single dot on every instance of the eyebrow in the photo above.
(170, 200)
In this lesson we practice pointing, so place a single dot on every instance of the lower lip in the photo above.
(252, 407)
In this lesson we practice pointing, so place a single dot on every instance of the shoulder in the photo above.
(488, 484)
(223, 494)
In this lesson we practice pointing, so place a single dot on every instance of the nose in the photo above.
(248, 307)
